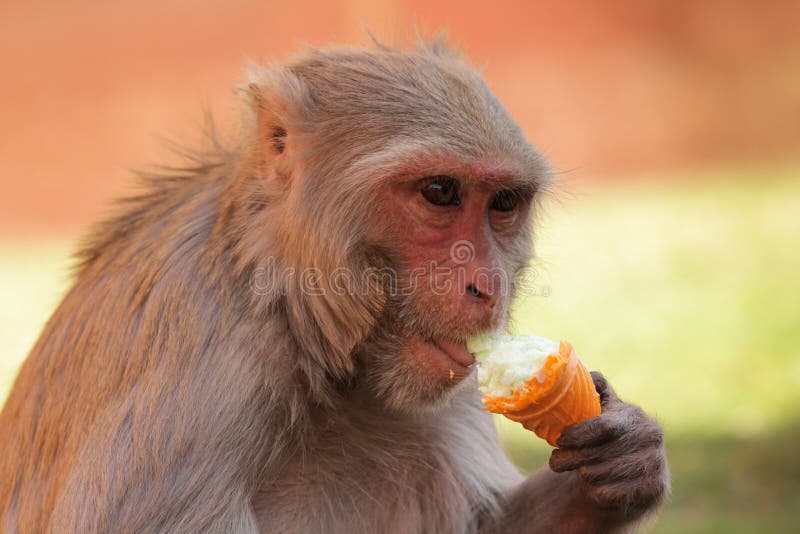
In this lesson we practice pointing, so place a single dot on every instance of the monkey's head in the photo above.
(388, 196)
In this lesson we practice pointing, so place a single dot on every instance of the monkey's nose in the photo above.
(473, 291)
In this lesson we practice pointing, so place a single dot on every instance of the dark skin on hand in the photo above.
(619, 455)
(608, 474)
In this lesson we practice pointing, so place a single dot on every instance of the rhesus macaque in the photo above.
(208, 373)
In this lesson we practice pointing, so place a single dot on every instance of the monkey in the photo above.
(271, 338)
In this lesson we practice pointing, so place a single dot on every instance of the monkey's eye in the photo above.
(442, 191)
(505, 200)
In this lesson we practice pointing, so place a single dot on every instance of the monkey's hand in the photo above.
(618, 457)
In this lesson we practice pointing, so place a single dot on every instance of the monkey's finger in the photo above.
(630, 467)
(607, 394)
(627, 455)
(638, 495)
(567, 460)
(592, 432)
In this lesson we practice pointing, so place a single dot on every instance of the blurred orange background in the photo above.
(607, 89)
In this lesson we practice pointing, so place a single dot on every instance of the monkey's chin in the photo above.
(420, 374)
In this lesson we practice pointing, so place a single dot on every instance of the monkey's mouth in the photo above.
(452, 354)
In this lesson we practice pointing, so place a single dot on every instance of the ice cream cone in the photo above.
(559, 394)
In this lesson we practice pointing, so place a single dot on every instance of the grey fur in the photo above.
(166, 395)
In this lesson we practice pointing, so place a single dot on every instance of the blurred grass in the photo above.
(684, 292)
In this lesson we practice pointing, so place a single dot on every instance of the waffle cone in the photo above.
(559, 394)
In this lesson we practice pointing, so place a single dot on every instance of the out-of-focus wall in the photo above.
(606, 89)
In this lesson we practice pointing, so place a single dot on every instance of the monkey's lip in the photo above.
(457, 352)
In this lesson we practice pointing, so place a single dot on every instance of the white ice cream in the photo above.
(506, 362)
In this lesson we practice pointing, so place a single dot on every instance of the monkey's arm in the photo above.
(607, 474)
(549, 502)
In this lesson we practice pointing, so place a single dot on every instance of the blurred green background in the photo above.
(683, 292)
(669, 256)
(686, 294)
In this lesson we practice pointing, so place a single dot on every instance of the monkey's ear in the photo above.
(270, 128)
(265, 119)
(269, 97)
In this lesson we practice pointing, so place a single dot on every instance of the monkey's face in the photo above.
(403, 160)
(457, 241)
